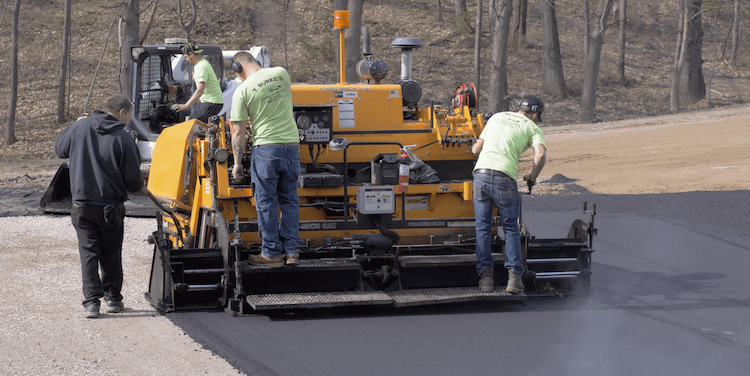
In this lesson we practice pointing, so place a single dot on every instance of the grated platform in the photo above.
(417, 297)
(317, 299)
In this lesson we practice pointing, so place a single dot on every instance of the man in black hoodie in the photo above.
(104, 167)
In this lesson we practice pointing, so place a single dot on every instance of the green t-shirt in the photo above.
(204, 72)
(265, 100)
(506, 136)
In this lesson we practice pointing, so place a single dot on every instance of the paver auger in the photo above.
(386, 210)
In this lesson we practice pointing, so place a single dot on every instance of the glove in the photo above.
(529, 181)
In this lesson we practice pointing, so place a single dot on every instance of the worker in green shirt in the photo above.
(264, 99)
(505, 137)
(206, 101)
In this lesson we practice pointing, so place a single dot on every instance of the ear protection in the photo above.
(534, 108)
(236, 67)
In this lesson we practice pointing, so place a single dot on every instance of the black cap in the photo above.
(191, 48)
(532, 104)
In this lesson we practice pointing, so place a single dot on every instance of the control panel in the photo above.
(314, 124)
(376, 200)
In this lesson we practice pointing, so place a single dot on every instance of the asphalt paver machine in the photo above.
(386, 211)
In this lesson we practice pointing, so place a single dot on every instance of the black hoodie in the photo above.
(104, 160)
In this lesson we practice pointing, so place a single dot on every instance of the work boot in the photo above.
(92, 310)
(292, 260)
(262, 260)
(515, 284)
(114, 306)
(487, 280)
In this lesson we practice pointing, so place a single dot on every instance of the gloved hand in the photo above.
(529, 181)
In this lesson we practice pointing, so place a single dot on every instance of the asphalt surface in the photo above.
(669, 296)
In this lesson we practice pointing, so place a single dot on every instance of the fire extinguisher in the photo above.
(403, 170)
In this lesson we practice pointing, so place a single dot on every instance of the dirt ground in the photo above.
(44, 332)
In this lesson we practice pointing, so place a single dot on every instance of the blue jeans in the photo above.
(503, 193)
(275, 174)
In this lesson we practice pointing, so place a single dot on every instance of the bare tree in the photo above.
(440, 13)
(553, 78)
(692, 82)
(622, 20)
(6, 7)
(478, 46)
(10, 130)
(586, 27)
(155, 4)
(735, 33)
(63, 65)
(129, 36)
(679, 59)
(194, 16)
(460, 9)
(353, 53)
(518, 24)
(500, 16)
(592, 60)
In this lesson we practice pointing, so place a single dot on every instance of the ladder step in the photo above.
(550, 260)
(418, 297)
(557, 275)
(317, 299)
(306, 266)
(443, 260)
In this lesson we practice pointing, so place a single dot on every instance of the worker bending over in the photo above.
(505, 137)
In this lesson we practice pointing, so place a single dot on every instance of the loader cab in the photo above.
(161, 76)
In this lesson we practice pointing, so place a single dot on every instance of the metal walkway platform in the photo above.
(404, 298)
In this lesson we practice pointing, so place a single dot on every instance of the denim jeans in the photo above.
(503, 193)
(275, 174)
(100, 248)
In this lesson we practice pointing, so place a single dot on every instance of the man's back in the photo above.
(266, 98)
(506, 136)
(104, 161)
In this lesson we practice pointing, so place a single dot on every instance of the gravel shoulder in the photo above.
(43, 330)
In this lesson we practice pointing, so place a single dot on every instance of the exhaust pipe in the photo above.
(369, 69)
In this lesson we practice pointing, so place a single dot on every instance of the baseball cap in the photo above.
(532, 104)
(191, 48)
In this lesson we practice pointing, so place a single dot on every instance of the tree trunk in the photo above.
(2, 17)
(679, 59)
(129, 37)
(10, 130)
(622, 8)
(586, 27)
(439, 9)
(692, 83)
(735, 33)
(518, 24)
(553, 78)
(460, 8)
(478, 46)
(187, 27)
(63, 65)
(591, 66)
(150, 22)
(499, 75)
(352, 36)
